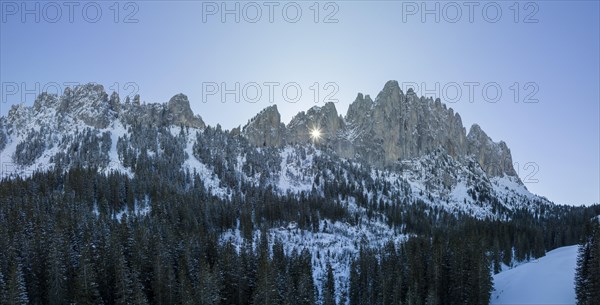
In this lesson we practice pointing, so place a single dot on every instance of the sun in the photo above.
(315, 134)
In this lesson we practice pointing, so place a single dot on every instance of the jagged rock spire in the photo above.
(384, 132)
(266, 128)
(394, 127)
(181, 113)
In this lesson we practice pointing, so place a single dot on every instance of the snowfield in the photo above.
(548, 280)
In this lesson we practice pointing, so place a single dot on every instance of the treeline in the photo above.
(587, 279)
(66, 239)
(63, 242)
(440, 270)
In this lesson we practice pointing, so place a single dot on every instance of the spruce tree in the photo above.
(329, 287)
(266, 289)
(582, 274)
(3, 292)
(86, 285)
(587, 278)
(123, 285)
(56, 275)
(16, 291)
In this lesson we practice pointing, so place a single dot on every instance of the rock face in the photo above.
(393, 128)
(385, 132)
(325, 119)
(88, 103)
(266, 128)
(181, 113)
(3, 137)
(406, 126)
(494, 158)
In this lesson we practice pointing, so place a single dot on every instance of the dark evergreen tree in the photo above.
(16, 290)
(329, 287)
(587, 278)
(86, 284)
(57, 274)
(266, 287)
(3, 292)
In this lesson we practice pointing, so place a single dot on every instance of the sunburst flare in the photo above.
(315, 134)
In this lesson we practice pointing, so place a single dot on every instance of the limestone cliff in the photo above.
(393, 128)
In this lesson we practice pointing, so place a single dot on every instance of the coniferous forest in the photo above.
(587, 279)
(65, 239)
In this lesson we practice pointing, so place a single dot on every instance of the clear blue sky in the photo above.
(171, 49)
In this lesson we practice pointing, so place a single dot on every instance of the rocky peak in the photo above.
(269, 115)
(180, 113)
(88, 103)
(390, 92)
(325, 119)
(359, 109)
(82, 95)
(384, 132)
(475, 132)
(393, 128)
(115, 102)
(45, 100)
(494, 158)
(266, 128)
(331, 121)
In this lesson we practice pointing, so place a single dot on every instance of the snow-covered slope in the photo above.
(548, 280)
(86, 128)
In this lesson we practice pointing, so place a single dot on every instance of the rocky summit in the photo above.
(385, 132)
(393, 128)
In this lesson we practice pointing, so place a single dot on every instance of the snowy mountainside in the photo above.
(84, 127)
(45, 137)
(378, 188)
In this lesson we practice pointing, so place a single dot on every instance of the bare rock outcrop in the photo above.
(180, 113)
(384, 132)
(266, 128)
(494, 158)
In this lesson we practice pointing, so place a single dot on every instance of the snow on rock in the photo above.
(117, 130)
(209, 179)
(454, 182)
(295, 178)
(548, 280)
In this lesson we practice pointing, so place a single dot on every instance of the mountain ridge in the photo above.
(384, 132)
(416, 140)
